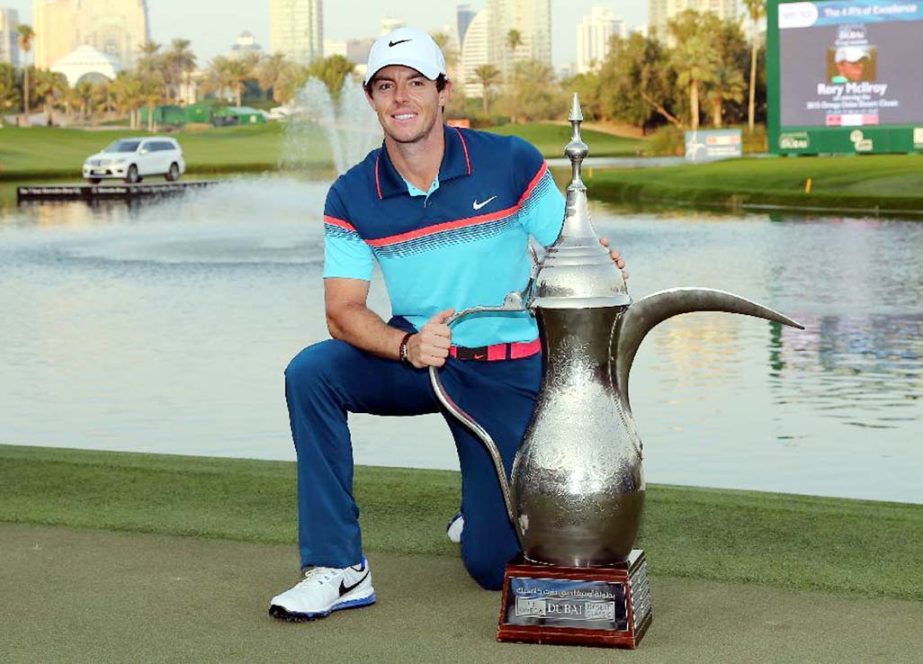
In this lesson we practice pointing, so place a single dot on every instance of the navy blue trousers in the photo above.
(327, 381)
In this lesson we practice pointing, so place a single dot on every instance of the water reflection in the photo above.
(165, 325)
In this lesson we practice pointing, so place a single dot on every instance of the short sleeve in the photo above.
(541, 211)
(346, 255)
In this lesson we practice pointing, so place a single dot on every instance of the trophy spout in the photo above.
(645, 314)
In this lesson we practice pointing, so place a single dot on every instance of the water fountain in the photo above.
(349, 125)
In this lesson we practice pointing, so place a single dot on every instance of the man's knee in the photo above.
(487, 569)
(313, 365)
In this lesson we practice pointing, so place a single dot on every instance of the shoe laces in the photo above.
(317, 576)
(321, 575)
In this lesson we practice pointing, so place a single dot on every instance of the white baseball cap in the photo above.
(851, 53)
(408, 47)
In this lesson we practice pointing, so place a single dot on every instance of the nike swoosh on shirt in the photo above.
(478, 206)
(395, 43)
(345, 589)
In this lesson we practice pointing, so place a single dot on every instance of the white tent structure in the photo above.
(87, 62)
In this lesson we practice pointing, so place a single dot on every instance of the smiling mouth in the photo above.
(404, 116)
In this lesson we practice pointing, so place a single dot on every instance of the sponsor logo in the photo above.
(528, 606)
(600, 610)
(798, 140)
(860, 142)
(478, 206)
(347, 588)
(392, 44)
(797, 15)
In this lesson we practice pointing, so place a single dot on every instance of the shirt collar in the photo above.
(456, 162)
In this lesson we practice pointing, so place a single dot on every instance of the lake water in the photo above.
(165, 326)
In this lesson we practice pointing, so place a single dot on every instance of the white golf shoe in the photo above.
(455, 528)
(324, 590)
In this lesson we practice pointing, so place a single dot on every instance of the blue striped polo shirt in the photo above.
(462, 244)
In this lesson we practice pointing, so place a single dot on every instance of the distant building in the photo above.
(475, 52)
(296, 28)
(245, 45)
(117, 28)
(86, 64)
(593, 34)
(463, 17)
(661, 11)
(334, 47)
(9, 38)
(357, 50)
(392, 24)
(532, 19)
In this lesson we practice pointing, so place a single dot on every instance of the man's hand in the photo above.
(430, 346)
(616, 257)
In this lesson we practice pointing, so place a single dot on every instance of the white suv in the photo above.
(131, 159)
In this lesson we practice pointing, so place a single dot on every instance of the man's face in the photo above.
(407, 103)
(851, 71)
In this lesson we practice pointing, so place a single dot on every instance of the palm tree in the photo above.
(694, 57)
(270, 74)
(727, 86)
(179, 63)
(757, 10)
(513, 39)
(487, 75)
(9, 91)
(332, 71)
(127, 91)
(230, 74)
(49, 86)
(451, 55)
(151, 70)
(26, 35)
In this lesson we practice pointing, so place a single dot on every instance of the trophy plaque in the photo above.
(597, 606)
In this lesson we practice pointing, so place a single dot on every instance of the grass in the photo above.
(550, 139)
(41, 152)
(789, 541)
(48, 152)
(886, 183)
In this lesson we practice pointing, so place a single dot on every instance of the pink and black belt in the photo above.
(497, 352)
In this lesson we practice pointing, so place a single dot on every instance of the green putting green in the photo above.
(94, 596)
(872, 183)
(788, 541)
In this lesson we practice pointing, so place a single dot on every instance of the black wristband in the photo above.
(402, 349)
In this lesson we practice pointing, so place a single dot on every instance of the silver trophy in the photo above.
(577, 488)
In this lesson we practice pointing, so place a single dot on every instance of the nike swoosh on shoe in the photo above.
(345, 589)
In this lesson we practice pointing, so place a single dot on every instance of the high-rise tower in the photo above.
(296, 28)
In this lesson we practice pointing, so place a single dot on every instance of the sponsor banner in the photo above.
(713, 144)
(850, 63)
(810, 14)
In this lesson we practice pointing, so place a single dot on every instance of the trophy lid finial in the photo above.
(577, 271)
(576, 113)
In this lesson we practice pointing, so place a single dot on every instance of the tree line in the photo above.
(705, 71)
(159, 76)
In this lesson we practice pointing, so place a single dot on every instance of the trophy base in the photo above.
(591, 606)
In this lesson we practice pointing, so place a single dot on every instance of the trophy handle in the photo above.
(512, 302)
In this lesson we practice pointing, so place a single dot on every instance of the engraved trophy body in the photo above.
(577, 487)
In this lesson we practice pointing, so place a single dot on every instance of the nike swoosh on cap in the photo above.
(478, 206)
(399, 41)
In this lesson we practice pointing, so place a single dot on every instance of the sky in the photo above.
(213, 25)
